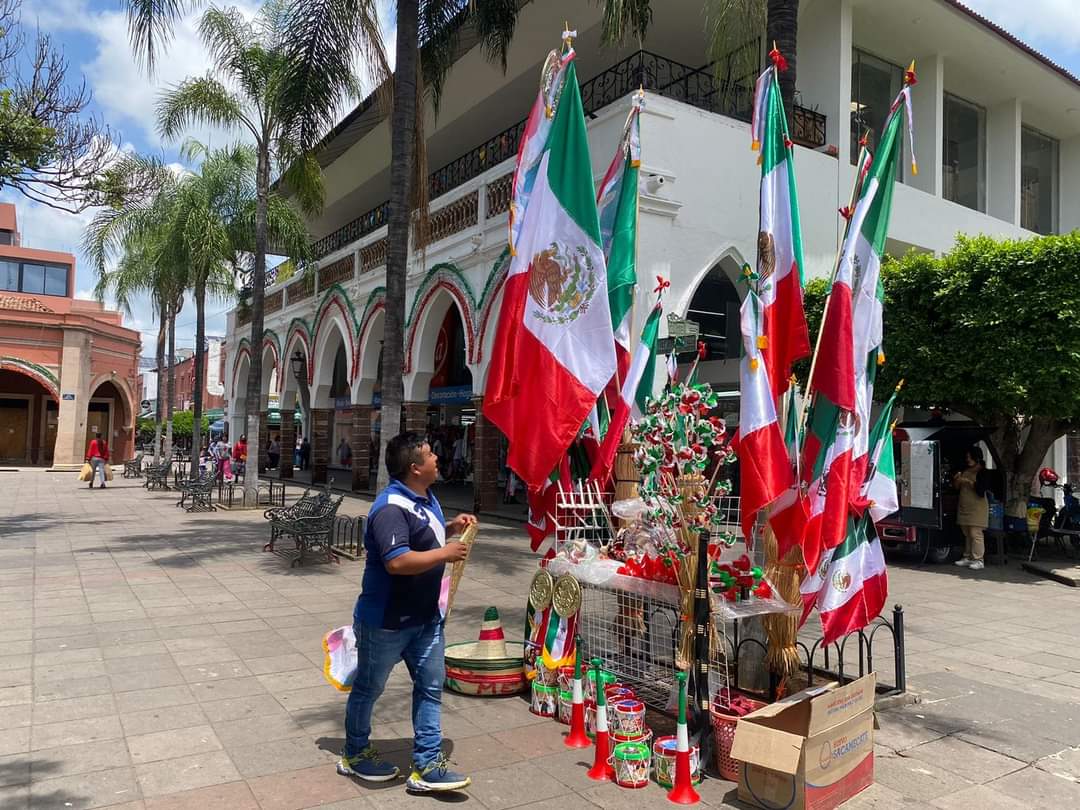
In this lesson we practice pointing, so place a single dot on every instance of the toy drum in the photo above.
(590, 719)
(629, 717)
(632, 762)
(566, 706)
(606, 678)
(565, 678)
(548, 677)
(616, 692)
(664, 752)
(544, 699)
(645, 737)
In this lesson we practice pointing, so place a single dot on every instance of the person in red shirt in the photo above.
(239, 454)
(97, 454)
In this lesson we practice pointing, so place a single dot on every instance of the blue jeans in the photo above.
(378, 650)
(99, 469)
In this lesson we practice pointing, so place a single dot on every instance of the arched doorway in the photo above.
(28, 419)
(715, 309)
(450, 408)
(108, 412)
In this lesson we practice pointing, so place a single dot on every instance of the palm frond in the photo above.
(495, 21)
(625, 19)
(321, 41)
(203, 100)
(150, 26)
(735, 28)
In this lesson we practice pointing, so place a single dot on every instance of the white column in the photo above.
(824, 65)
(1003, 161)
(1069, 158)
(927, 101)
(74, 397)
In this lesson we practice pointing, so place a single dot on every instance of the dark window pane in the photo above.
(1038, 181)
(33, 278)
(964, 153)
(874, 85)
(9, 275)
(56, 280)
(5, 237)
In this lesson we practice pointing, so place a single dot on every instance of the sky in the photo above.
(93, 37)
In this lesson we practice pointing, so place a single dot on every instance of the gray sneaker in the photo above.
(367, 765)
(963, 562)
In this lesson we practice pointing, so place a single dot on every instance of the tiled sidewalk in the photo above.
(151, 659)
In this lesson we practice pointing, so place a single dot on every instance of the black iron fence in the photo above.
(348, 536)
(700, 87)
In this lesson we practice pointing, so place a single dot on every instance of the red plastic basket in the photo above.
(724, 734)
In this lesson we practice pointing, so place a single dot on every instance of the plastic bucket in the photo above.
(565, 678)
(544, 700)
(664, 754)
(724, 735)
(632, 762)
(629, 716)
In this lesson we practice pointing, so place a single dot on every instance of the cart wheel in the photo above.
(930, 552)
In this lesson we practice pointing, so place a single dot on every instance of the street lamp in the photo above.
(298, 364)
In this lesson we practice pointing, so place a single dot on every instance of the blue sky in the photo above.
(93, 35)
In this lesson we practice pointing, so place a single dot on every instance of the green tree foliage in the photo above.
(990, 331)
(184, 422)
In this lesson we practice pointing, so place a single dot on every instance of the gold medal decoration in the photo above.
(541, 589)
(567, 596)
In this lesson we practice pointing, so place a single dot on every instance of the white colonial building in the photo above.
(997, 135)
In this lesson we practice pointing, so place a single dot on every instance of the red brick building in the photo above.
(68, 368)
(213, 374)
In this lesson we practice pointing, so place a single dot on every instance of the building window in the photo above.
(1038, 181)
(5, 237)
(875, 83)
(33, 278)
(964, 153)
(56, 278)
(9, 276)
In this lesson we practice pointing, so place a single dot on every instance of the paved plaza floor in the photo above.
(151, 659)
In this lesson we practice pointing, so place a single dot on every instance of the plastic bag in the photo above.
(340, 662)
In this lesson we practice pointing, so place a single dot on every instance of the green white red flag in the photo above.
(554, 347)
(617, 210)
(849, 586)
(773, 323)
(837, 438)
(637, 389)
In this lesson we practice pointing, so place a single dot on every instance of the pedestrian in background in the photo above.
(973, 510)
(98, 455)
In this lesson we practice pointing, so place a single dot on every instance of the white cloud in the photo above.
(1039, 23)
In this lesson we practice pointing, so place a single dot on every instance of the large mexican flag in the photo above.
(554, 348)
(780, 253)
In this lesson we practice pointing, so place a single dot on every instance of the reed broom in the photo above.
(782, 629)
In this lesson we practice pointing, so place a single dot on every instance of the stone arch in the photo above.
(487, 321)
(333, 331)
(713, 299)
(297, 339)
(127, 396)
(242, 360)
(422, 367)
(271, 340)
(441, 277)
(38, 374)
(369, 347)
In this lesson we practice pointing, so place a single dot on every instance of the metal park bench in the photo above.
(133, 468)
(157, 476)
(200, 491)
(309, 522)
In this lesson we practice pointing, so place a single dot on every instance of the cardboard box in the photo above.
(812, 750)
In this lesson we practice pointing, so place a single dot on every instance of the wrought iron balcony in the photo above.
(699, 87)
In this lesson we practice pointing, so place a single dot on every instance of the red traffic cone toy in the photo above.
(577, 738)
(682, 791)
(601, 770)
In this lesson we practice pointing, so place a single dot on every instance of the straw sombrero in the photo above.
(490, 666)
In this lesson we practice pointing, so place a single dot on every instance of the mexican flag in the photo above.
(835, 583)
(554, 347)
(764, 469)
(780, 255)
(863, 251)
(837, 441)
(617, 208)
(542, 504)
(637, 389)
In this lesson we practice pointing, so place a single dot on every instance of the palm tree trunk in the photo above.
(782, 27)
(200, 361)
(397, 232)
(163, 320)
(258, 284)
(170, 385)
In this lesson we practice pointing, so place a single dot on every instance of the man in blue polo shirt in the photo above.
(399, 616)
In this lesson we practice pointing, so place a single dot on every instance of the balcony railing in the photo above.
(699, 87)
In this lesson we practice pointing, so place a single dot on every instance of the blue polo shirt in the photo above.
(401, 521)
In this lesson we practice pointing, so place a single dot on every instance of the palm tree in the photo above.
(203, 222)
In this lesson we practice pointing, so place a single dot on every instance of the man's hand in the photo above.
(459, 524)
(455, 552)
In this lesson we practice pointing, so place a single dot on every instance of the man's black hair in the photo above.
(403, 451)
